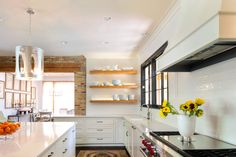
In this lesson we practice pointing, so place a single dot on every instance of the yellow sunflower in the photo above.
(164, 103)
(192, 107)
(166, 110)
(184, 107)
(162, 114)
(199, 101)
(199, 112)
(188, 102)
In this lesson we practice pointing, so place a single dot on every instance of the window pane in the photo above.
(150, 71)
(146, 85)
(150, 97)
(158, 97)
(48, 96)
(158, 81)
(157, 65)
(146, 98)
(150, 85)
(166, 94)
(146, 73)
(165, 80)
(63, 97)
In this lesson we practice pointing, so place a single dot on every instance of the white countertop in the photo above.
(33, 138)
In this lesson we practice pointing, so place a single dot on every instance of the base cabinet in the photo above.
(132, 139)
(91, 130)
(64, 147)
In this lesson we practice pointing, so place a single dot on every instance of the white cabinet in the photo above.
(92, 130)
(132, 139)
(50, 152)
(137, 142)
(64, 147)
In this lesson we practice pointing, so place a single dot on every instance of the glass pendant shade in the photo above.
(29, 63)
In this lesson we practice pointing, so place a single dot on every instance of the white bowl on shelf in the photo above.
(116, 82)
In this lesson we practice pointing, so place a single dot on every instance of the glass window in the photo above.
(58, 97)
(156, 86)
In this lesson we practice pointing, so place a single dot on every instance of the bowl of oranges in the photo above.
(7, 129)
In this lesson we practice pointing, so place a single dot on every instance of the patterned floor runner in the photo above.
(102, 153)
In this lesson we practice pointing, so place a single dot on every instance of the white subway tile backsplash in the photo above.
(217, 85)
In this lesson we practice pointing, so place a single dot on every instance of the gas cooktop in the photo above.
(201, 146)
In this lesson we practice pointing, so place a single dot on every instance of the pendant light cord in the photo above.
(30, 11)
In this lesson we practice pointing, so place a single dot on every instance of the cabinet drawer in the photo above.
(98, 121)
(99, 130)
(81, 140)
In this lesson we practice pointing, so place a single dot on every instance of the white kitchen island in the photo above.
(41, 139)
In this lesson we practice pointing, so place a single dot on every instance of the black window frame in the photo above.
(151, 62)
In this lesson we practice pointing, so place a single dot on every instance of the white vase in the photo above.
(186, 126)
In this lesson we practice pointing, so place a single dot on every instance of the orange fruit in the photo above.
(13, 128)
(7, 130)
(1, 131)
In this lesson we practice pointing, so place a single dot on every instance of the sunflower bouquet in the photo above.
(189, 108)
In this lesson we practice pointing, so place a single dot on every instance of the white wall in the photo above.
(6, 112)
(110, 108)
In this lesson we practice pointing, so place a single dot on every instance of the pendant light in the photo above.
(29, 59)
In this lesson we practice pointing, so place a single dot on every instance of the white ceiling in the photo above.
(82, 24)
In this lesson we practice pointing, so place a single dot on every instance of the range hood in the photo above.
(211, 42)
(216, 52)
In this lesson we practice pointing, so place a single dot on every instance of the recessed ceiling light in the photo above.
(106, 42)
(64, 42)
(107, 18)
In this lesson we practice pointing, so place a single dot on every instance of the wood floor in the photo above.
(102, 152)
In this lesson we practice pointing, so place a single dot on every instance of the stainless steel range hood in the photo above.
(216, 52)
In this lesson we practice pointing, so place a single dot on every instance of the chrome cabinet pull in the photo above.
(51, 154)
(64, 151)
(134, 127)
(99, 129)
(126, 133)
(99, 139)
(64, 140)
(99, 121)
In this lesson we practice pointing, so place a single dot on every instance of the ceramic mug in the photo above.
(115, 97)
(123, 97)
(131, 97)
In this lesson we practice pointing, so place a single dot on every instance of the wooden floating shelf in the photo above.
(123, 86)
(130, 72)
(114, 101)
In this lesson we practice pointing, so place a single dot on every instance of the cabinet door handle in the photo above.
(134, 127)
(73, 130)
(99, 129)
(51, 154)
(126, 133)
(64, 151)
(64, 140)
(99, 121)
(99, 139)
